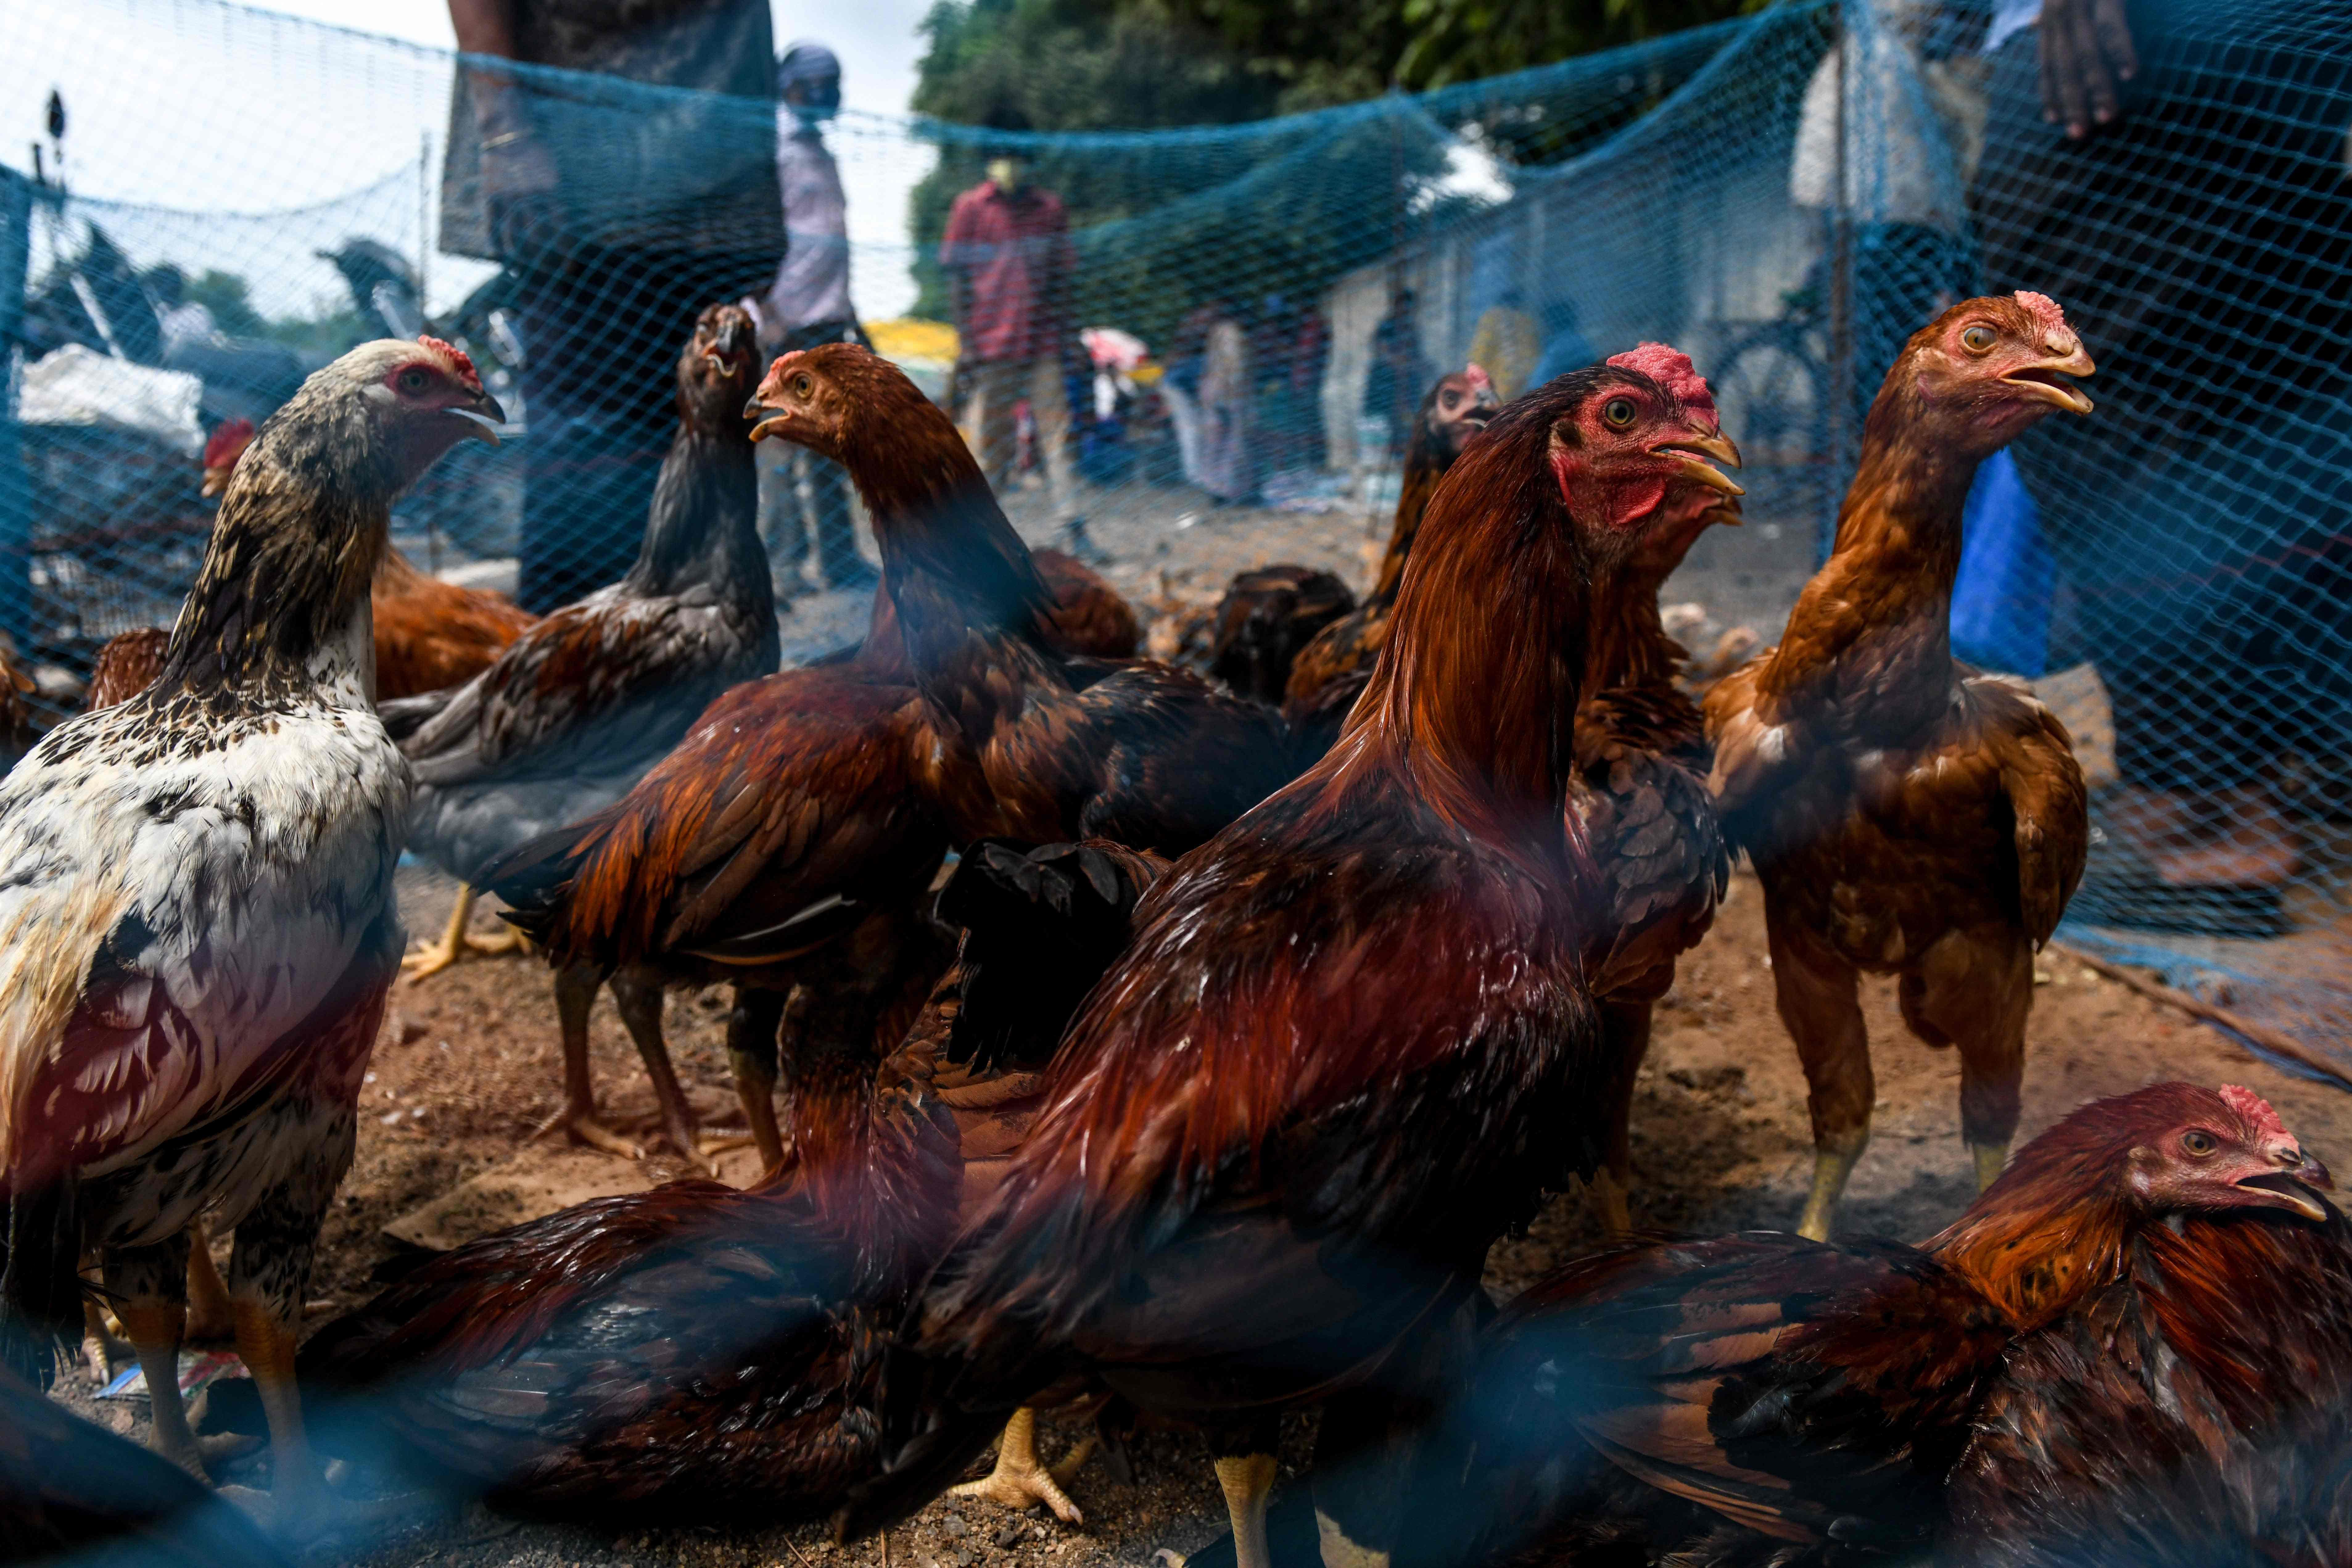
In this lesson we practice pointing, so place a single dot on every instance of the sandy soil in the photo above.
(469, 1070)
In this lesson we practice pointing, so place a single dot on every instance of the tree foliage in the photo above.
(1171, 224)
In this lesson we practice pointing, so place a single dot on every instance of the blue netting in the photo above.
(1297, 282)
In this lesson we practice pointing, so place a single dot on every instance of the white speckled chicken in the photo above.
(578, 708)
(197, 918)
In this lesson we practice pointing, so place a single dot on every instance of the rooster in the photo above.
(686, 879)
(575, 709)
(1641, 789)
(1907, 814)
(1267, 616)
(818, 802)
(1351, 1042)
(1330, 671)
(2197, 1410)
(198, 930)
(223, 449)
(1763, 1398)
(125, 666)
(1034, 744)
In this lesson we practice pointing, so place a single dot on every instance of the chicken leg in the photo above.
(1816, 992)
(1973, 990)
(1019, 1479)
(575, 996)
(433, 957)
(1625, 1029)
(151, 1284)
(753, 1042)
(638, 997)
(210, 1320)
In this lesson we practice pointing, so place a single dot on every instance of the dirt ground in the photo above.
(469, 1070)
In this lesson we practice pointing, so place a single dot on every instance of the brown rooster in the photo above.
(2198, 1410)
(1905, 813)
(1351, 1042)
(1330, 671)
(1641, 796)
(199, 929)
(819, 801)
(1762, 1398)
(785, 846)
(1267, 616)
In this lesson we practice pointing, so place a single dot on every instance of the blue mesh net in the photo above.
(1785, 207)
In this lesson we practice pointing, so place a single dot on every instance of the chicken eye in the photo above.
(2198, 1143)
(414, 379)
(1978, 339)
(1618, 411)
(803, 386)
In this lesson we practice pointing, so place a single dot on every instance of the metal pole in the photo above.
(1840, 308)
(15, 492)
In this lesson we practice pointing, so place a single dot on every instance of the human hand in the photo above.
(2086, 48)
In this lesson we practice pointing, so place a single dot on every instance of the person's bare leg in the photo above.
(1974, 990)
(1815, 991)
(575, 996)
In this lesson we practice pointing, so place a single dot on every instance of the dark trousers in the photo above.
(2202, 246)
(602, 330)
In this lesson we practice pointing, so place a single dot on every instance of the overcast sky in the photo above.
(875, 39)
(248, 140)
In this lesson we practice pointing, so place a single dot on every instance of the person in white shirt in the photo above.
(803, 494)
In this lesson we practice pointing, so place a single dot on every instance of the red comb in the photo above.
(456, 355)
(2251, 1108)
(227, 443)
(1478, 379)
(1671, 369)
(2045, 311)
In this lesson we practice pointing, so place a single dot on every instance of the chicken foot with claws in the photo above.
(1019, 1479)
(433, 957)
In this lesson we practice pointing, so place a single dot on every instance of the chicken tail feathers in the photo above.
(1040, 927)
(41, 1283)
(535, 880)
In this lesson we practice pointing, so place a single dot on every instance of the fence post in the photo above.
(15, 492)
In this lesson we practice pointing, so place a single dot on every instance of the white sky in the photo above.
(204, 108)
